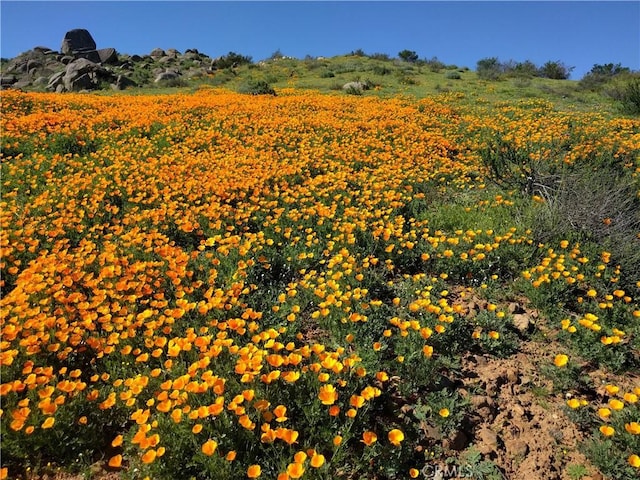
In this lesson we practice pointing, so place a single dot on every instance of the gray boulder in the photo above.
(82, 74)
(91, 55)
(108, 55)
(41, 81)
(123, 82)
(157, 53)
(56, 80)
(7, 80)
(357, 86)
(43, 50)
(25, 82)
(166, 76)
(86, 81)
(77, 40)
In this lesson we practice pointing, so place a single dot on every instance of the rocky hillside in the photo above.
(80, 66)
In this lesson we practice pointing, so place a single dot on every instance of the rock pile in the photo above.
(80, 66)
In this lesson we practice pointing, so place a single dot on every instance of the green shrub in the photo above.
(230, 60)
(381, 70)
(489, 68)
(629, 97)
(380, 56)
(453, 75)
(436, 65)
(555, 70)
(408, 56)
(257, 87)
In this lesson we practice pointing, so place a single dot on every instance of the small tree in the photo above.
(629, 96)
(408, 56)
(277, 55)
(434, 64)
(525, 69)
(601, 74)
(489, 68)
(555, 70)
(608, 70)
(230, 60)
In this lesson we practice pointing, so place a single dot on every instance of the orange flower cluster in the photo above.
(197, 260)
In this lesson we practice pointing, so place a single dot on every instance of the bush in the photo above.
(523, 69)
(230, 60)
(380, 56)
(408, 56)
(381, 70)
(453, 75)
(489, 68)
(601, 74)
(629, 97)
(435, 65)
(555, 70)
(259, 87)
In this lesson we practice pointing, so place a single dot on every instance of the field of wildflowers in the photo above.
(216, 285)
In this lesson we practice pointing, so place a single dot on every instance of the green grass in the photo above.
(393, 78)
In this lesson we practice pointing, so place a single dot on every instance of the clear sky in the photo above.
(580, 34)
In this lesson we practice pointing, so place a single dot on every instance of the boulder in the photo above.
(358, 86)
(108, 55)
(82, 74)
(77, 40)
(80, 66)
(86, 81)
(55, 80)
(166, 76)
(7, 80)
(41, 81)
(122, 82)
(157, 53)
(25, 82)
(91, 55)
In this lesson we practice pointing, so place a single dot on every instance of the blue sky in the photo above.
(580, 34)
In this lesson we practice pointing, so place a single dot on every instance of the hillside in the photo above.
(84, 68)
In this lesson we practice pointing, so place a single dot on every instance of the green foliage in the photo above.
(601, 74)
(629, 97)
(435, 65)
(408, 56)
(380, 56)
(231, 60)
(489, 68)
(555, 70)
(257, 87)
(524, 69)
(600, 452)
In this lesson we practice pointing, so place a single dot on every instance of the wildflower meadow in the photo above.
(213, 285)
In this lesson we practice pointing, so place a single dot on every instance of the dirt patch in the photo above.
(520, 426)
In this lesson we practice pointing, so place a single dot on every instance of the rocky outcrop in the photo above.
(77, 41)
(80, 66)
